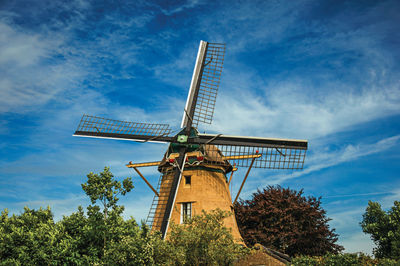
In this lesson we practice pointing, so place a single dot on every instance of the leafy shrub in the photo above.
(204, 240)
(347, 259)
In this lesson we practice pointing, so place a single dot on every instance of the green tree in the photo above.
(31, 238)
(285, 220)
(105, 189)
(384, 228)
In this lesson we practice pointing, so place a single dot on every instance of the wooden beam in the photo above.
(237, 157)
(241, 157)
(133, 165)
(244, 180)
(147, 182)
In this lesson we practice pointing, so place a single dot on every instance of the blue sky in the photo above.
(326, 71)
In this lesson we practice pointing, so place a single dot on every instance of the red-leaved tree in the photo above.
(285, 220)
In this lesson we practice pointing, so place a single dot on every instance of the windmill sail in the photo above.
(275, 153)
(204, 86)
(173, 188)
(98, 127)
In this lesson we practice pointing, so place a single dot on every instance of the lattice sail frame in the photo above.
(158, 207)
(210, 79)
(271, 157)
(95, 124)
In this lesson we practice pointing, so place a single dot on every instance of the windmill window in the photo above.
(188, 180)
(186, 212)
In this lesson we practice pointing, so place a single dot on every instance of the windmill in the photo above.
(194, 169)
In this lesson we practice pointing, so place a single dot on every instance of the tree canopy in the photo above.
(105, 189)
(285, 220)
(384, 228)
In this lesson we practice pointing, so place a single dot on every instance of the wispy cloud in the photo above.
(387, 202)
(321, 160)
(188, 5)
(59, 207)
(357, 195)
(350, 233)
(50, 62)
(23, 83)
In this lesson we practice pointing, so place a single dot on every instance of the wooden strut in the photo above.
(241, 157)
(147, 182)
(235, 157)
(233, 170)
(134, 165)
(244, 180)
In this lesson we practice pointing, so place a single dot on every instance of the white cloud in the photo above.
(25, 79)
(20, 49)
(387, 202)
(357, 242)
(49, 63)
(190, 4)
(323, 159)
(59, 207)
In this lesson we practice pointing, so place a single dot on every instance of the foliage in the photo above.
(204, 240)
(384, 228)
(165, 253)
(104, 188)
(134, 247)
(285, 220)
(33, 238)
(342, 260)
(30, 238)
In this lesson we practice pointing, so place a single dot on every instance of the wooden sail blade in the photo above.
(187, 118)
(173, 190)
(204, 86)
(275, 153)
(98, 127)
(251, 141)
